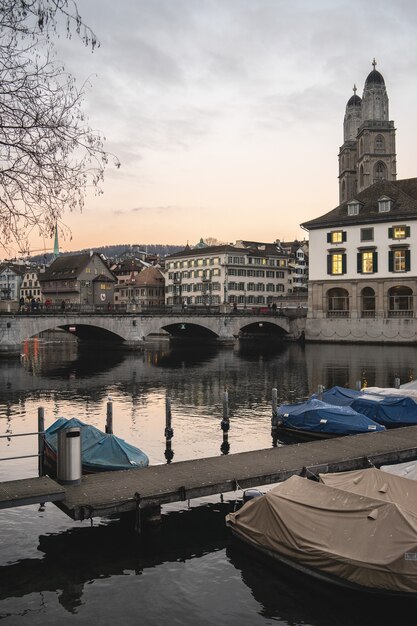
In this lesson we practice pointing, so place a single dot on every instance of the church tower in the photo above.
(368, 152)
(348, 152)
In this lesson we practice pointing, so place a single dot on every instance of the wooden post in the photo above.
(226, 405)
(41, 439)
(397, 383)
(320, 389)
(358, 385)
(169, 431)
(225, 425)
(274, 407)
(109, 418)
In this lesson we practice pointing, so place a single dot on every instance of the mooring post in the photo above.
(320, 389)
(169, 431)
(225, 425)
(358, 385)
(274, 417)
(397, 383)
(109, 418)
(41, 440)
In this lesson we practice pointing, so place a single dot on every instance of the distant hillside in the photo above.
(117, 249)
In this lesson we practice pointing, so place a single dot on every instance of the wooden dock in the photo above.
(118, 492)
(30, 491)
(110, 493)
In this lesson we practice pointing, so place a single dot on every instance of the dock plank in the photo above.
(30, 491)
(116, 492)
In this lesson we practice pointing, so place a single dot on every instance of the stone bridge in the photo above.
(132, 330)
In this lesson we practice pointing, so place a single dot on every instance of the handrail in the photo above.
(41, 442)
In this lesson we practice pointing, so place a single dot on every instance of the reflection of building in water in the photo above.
(373, 365)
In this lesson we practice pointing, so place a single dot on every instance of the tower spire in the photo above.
(374, 63)
(56, 243)
(354, 90)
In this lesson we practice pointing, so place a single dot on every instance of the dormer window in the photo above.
(384, 205)
(353, 208)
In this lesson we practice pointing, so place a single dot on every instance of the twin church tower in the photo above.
(368, 151)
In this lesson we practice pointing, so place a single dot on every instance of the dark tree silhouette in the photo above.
(49, 154)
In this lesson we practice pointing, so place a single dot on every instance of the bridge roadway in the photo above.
(110, 493)
(132, 329)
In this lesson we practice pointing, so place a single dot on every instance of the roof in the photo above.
(374, 78)
(69, 266)
(150, 276)
(403, 194)
(103, 278)
(354, 101)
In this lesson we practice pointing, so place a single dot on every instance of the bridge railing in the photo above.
(290, 310)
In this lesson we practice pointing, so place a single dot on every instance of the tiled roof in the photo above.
(150, 276)
(66, 266)
(403, 194)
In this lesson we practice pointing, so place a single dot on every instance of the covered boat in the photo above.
(100, 451)
(392, 411)
(374, 483)
(350, 540)
(406, 470)
(317, 419)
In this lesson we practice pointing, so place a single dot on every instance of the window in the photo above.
(336, 236)
(380, 171)
(336, 264)
(353, 208)
(379, 144)
(399, 260)
(384, 205)
(367, 234)
(367, 262)
(399, 232)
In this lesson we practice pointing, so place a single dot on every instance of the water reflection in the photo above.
(278, 591)
(72, 559)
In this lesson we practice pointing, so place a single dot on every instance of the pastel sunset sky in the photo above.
(227, 115)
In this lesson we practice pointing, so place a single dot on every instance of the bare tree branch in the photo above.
(49, 155)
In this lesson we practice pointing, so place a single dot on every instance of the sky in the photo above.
(227, 115)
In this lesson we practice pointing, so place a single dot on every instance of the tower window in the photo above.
(379, 144)
(380, 171)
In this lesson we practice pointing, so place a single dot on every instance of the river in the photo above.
(56, 571)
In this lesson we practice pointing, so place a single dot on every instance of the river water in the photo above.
(56, 571)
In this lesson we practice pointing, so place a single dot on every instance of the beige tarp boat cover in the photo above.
(376, 484)
(357, 539)
(406, 470)
(392, 391)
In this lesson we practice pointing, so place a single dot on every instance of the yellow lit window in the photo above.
(337, 236)
(336, 264)
(367, 263)
(399, 232)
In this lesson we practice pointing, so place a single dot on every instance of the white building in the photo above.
(244, 274)
(362, 254)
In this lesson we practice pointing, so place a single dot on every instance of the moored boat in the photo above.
(392, 411)
(100, 452)
(317, 419)
(346, 539)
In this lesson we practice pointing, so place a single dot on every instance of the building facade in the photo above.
(81, 280)
(241, 275)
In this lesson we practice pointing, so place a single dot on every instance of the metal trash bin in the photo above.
(69, 456)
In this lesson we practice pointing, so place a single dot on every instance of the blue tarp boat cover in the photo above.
(317, 416)
(391, 411)
(99, 451)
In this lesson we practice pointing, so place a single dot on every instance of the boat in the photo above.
(315, 419)
(345, 539)
(406, 470)
(100, 452)
(392, 411)
(374, 483)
